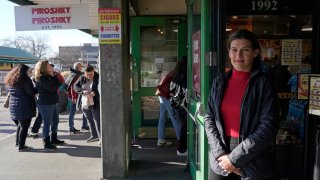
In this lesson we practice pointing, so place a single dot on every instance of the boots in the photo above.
(47, 144)
(55, 140)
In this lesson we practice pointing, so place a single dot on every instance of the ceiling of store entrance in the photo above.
(137, 7)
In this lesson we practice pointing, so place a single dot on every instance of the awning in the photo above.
(14, 55)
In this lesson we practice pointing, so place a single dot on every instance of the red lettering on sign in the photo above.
(51, 20)
(53, 10)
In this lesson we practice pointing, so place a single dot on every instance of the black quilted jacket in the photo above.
(255, 154)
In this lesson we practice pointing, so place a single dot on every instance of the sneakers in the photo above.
(34, 135)
(165, 143)
(92, 139)
(182, 154)
(85, 128)
(24, 148)
(73, 131)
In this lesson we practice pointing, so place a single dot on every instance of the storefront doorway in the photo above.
(286, 49)
(157, 45)
(285, 36)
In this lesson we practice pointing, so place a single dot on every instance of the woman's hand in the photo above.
(226, 165)
(85, 92)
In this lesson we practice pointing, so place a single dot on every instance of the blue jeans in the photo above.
(50, 117)
(93, 117)
(165, 106)
(72, 113)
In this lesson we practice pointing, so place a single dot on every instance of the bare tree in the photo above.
(37, 45)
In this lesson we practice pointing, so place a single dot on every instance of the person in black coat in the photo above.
(89, 100)
(22, 104)
(241, 120)
(47, 84)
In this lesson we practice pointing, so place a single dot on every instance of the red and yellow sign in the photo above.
(109, 26)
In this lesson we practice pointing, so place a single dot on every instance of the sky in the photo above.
(56, 37)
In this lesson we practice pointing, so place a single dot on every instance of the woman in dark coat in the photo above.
(47, 84)
(241, 120)
(22, 104)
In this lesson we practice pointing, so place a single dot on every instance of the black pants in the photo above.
(37, 123)
(182, 144)
(22, 131)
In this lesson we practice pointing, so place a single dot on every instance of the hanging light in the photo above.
(308, 26)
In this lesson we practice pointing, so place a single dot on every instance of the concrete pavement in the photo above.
(7, 126)
(79, 160)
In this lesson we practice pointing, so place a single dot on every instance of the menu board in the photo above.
(314, 95)
(291, 51)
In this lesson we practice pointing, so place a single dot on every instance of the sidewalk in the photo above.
(79, 160)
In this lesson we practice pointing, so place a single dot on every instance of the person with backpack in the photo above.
(73, 77)
(178, 86)
(163, 93)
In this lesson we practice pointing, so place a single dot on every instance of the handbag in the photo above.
(87, 100)
(6, 101)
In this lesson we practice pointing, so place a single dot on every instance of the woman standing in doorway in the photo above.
(241, 120)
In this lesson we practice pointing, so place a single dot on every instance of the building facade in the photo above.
(87, 54)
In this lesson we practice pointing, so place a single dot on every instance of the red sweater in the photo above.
(232, 100)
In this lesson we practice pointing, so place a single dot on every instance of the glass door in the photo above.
(156, 48)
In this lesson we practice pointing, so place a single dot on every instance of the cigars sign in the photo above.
(51, 17)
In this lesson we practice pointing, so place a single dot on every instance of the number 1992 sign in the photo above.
(264, 5)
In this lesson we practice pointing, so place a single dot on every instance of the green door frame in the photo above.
(137, 90)
(198, 160)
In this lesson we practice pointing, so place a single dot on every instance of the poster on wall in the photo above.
(196, 63)
(303, 85)
(109, 26)
(291, 52)
(270, 49)
(314, 95)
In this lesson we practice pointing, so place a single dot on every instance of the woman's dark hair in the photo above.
(88, 68)
(250, 36)
(17, 76)
(180, 66)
